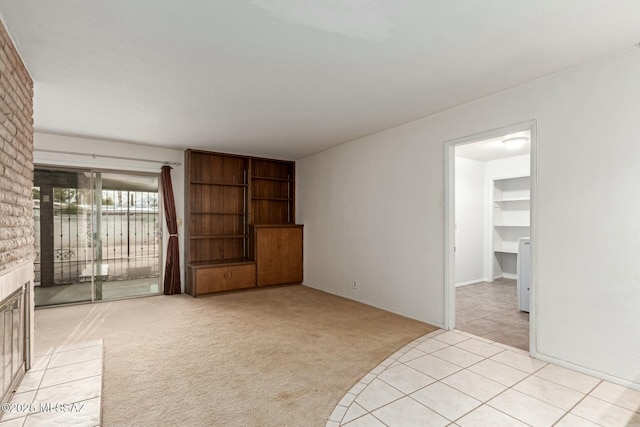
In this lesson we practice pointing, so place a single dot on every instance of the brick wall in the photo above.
(16, 158)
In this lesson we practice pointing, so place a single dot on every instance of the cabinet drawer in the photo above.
(223, 278)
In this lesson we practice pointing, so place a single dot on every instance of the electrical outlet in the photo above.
(355, 284)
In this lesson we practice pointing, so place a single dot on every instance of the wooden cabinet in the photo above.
(224, 195)
(223, 277)
(278, 253)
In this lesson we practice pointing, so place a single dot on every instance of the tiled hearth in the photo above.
(63, 387)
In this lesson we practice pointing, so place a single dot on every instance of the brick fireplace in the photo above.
(16, 216)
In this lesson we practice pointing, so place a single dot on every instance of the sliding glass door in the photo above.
(127, 229)
(62, 218)
(98, 235)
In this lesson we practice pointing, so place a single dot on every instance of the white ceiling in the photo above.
(494, 148)
(287, 78)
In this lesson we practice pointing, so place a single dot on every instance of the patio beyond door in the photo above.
(98, 235)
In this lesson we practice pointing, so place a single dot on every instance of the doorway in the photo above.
(97, 235)
(490, 231)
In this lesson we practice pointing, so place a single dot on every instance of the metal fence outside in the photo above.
(130, 233)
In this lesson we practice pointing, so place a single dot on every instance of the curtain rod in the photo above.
(75, 153)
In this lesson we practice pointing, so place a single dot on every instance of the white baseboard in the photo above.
(587, 371)
(409, 316)
(472, 282)
(507, 276)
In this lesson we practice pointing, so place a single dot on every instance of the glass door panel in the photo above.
(62, 217)
(127, 225)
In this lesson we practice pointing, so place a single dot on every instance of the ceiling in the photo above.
(288, 78)
(494, 148)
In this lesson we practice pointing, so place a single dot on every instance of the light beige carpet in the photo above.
(271, 357)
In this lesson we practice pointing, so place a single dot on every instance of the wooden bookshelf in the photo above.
(224, 195)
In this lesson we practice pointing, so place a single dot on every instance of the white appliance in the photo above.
(524, 273)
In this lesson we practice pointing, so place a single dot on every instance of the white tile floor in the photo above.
(457, 379)
(63, 387)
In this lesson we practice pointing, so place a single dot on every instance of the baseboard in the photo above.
(582, 369)
(507, 276)
(472, 282)
(408, 316)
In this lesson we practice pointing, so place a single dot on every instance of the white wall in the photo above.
(373, 211)
(471, 206)
(43, 141)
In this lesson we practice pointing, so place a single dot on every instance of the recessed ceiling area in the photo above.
(289, 78)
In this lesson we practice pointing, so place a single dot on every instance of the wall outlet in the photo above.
(355, 284)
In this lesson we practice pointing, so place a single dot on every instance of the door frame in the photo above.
(449, 226)
(94, 171)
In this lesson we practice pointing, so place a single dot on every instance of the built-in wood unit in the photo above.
(277, 250)
(223, 277)
(511, 212)
(224, 195)
(272, 192)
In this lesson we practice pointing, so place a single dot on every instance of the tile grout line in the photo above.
(533, 373)
(436, 380)
(460, 370)
(533, 397)
(367, 412)
(421, 388)
(48, 368)
(385, 424)
(577, 403)
(611, 403)
(75, 363)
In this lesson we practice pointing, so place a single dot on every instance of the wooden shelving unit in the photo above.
(272, 192)
(224, 195)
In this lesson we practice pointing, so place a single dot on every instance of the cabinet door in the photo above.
(279, 255)
(268, 256)
(291, 255)
(208, 280)
(224, 278)
(241, 276)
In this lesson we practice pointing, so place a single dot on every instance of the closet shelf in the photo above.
(221, 236)
(519, 199)
(223, 262)
(511, 202)
(220, 184)
(276, 199)
(506, 251)
(267, 178)
(219, 213)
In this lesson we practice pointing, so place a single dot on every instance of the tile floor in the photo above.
(490, 310)
(63, 387)
(454, 378)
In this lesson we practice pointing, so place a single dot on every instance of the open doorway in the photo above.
(489, 235)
